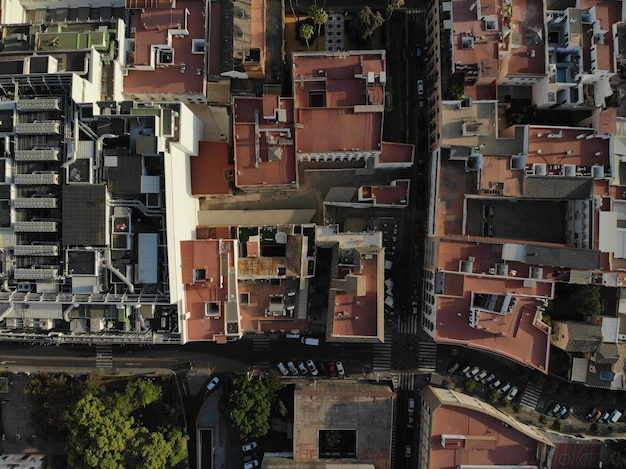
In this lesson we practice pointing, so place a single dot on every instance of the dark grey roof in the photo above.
(81, 262)
(84, 214)
(608, 353)
(557, 187)
(236, 34)
(581, 337)
(125, 178)
(555, 256)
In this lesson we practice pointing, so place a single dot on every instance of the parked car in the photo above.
(615, 416)
(248, 447)
(512, 393)
(465, 369)
(420, 87)
(331, 369)
(407, 451)
(504, 389)
(213, 383)
(488, 379)
(453, 368)
(410, 420)
(561, 413)
(292, 368)
(496, 384)
(302, 368)
(605, 417)
(282, 368)
(251, 464)
(340, 369)
(411, 405)
(554, 410)
(472, 372)
(314, 341)
(311, 366)
(480, 376)
(591, 413)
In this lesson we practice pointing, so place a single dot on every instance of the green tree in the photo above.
(455, 92)
(306, 32)
(104, 434)
(594, 428)
(575, 302)
(492, 397)
(50, 395)
(557, 425)
(248, 403)
(367, 22)
(517, 409)
(543, 419)
(469, 385)
(504, 402)
(333, 438)
(319, 17)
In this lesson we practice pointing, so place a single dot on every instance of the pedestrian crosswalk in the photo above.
(407, 381)
(104, 356)
(260, 347)
(531, 396)
(427, 355)
(382, 354)
(409, 325)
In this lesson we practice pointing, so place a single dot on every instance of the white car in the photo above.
(512, 393)
(282, 368)
(213, 383)
(292, 368)
(340, 370)
(472, 372)
(311, 366)
(420, 87)
(480, 376)
(246, 448)
(302, 368)
(504, 389)
(251, 464)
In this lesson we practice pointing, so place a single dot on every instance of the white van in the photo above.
(310, 341)
(615, 416)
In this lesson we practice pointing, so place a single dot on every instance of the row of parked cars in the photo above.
(335, 368)
(607, 416)
(488, 379)
(250, 457)
(558, 411)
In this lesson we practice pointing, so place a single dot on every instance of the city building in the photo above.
(457, 430)
(350, 421)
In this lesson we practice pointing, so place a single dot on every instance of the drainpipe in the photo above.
(75, 151)
(120, 275)
(99, 149)
(66, 313)
(9, 310)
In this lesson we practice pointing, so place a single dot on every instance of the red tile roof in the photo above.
(210, 168)
(555, 145)
(152, 26)
(396, 193)
(358, 315)
(518, 334)
(205, 255)
(273, 144)
(396, 153)
(484, 440)
(352, 90)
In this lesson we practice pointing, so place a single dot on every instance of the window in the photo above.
(199, 275)
(244, 299)
(212, 309)
(197, 46)
(317, 98)
(335, 444)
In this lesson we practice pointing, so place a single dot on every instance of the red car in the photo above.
(331, 369)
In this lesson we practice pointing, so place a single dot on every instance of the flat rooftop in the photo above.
(185, 75)
(264, 147)
(211, 169)
(519, 335)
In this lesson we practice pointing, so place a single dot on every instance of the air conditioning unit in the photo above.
(24, 287)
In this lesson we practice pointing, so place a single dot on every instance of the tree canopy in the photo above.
(575, 302)
(107, 431)
(306, 32)
(319, 17)
(367, 22)
(248, 403)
